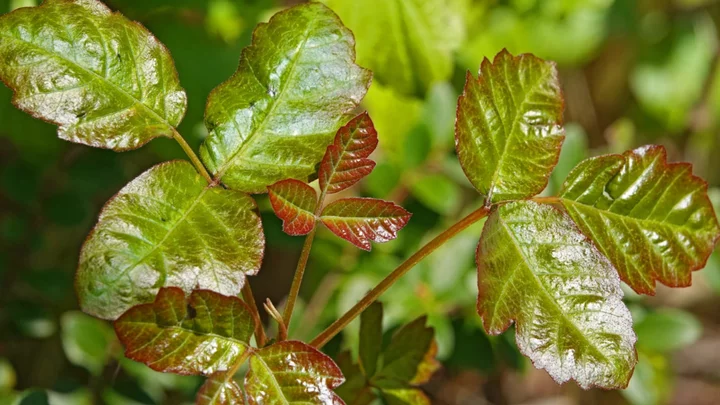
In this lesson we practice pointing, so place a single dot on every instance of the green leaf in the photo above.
(652, 219)
(87, 341)
(667, 330)
(203, 334)
(437, 192)
(535, 268)
(361, 220)
(410, 356)
(346, 160)
(371, 331)
(220, 389)
(105, 80)
(296, 85)
(355, 390)
(405, 396)
(509, 126)
(291, 372)
(295, 203)
(168, 228)
(408, 44)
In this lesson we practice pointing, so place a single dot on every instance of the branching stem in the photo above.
(250, 301)
(400, 271)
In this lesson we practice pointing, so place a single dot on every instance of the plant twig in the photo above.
(250, 301)
(193, 157)
(297, 278)
(400, 271)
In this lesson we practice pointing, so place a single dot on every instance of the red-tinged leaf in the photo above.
(651, 218)
(220, 389)
(292, 372)
(294, 202)
(206, 333)
(361, 220)
(346, 160)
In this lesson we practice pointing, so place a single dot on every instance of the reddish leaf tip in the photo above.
(294, 202)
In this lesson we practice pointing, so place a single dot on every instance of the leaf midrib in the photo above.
(96, 76)
(275, 101)
(545, 292)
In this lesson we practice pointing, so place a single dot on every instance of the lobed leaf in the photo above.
(292, 372)
(508, 131)
(652, 219)
(296, 85)
(168, 228)
(295, 203)
(537, 269)
(408, 44)
(105, 80)
(220, 389)
(346, 159)
(410, 356)
(204, 334)
(361, 220)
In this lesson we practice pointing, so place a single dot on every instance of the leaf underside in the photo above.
(509, 126)
(105, 80)
(408, 44)
(168, 228)
(535, 268)
(292, 373)
(362, 220)
(204, 334)
(220, 390)
(652, 219)
(294, 202)
(346, 159)
(295, 86)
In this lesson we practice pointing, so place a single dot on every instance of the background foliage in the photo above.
(633, 72)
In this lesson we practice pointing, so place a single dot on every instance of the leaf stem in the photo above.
(400, 271)
(250, 301)
(275, 314)
(193, 157)
(297, 278)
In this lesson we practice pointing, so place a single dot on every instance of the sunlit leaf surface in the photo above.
(408, 44)
(509, 126)
(295, 86)
(536, 269)
(203, 334)
(652, 219)
(361, 220)
(220, 389)
(168, 228)
(105, 80)
(292, 373)
(346, 160)
(295, 203)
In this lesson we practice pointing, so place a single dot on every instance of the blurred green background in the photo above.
(633, 71)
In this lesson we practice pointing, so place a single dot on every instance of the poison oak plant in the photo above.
(172, 250)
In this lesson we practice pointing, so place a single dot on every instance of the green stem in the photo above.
(250, 301)
(400, 271)
(193, 157)
(297, 279)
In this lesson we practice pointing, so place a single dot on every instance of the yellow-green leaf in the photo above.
(297, 83)
(652, 219)
(536, 269)
(105, 80)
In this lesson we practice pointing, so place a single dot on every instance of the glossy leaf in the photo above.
(168, 228)
(371, 341)
(361, 220)
(105, 80)
(346, 160)
(295, 203)
(410, 356)
(508, 131)
(535, 268)
(652, 219)
(220, 389)
(296, 85)
(291, 372)
(203, 334)
(408, 44)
